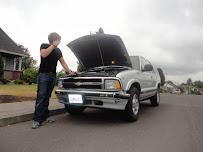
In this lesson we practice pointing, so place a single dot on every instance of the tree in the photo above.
(189, 81)
(198, 84)
(1, 67)
(27, 61)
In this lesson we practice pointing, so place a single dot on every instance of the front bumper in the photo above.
(96, 99)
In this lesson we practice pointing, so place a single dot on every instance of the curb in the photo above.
(26, 117)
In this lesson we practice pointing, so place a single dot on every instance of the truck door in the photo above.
(149, 79)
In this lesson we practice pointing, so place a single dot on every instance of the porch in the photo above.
(12, 74)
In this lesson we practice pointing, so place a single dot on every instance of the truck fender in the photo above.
(129, 84)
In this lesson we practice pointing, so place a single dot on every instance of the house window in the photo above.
(9, 63)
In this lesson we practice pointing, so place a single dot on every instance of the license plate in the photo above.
(75, 98)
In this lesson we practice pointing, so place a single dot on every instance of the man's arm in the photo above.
(45, 52)
(65, 66)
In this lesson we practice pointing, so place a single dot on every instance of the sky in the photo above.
(169, 33)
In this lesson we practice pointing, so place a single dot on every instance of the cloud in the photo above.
(168, 33)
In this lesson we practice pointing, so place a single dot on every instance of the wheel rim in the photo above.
(135, 104)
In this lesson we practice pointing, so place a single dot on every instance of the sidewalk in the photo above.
(11, 113)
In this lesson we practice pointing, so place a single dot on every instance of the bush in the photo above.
(30, 75)
(19, 82)
(4, 81)
(196, 92)
(60, 74)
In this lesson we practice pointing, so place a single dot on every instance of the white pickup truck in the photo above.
(110, 79)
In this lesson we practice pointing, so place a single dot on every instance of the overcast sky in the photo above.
(169, 33)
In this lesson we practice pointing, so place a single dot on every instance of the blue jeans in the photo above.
(45, 87)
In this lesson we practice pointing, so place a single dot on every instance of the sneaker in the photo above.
(35, 125)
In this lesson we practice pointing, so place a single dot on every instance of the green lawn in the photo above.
(20, 90)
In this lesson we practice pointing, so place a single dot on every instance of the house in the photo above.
(12, 57)
(171, 88)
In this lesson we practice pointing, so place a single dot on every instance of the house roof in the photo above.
(7, 45)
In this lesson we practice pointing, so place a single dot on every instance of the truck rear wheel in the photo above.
(155, 100)
(133, 105)
(74, 110)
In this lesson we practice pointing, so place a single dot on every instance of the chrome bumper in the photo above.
(96, 99)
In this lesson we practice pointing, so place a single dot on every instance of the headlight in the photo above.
(112, 85)
(60, 84)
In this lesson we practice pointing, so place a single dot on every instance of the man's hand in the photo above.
(71, 73)
(45, 52)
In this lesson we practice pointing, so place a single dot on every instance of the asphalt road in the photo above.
(175, 126)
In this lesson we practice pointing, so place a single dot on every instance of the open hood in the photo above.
(100, 50)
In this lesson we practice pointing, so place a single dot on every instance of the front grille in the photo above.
(82, 83)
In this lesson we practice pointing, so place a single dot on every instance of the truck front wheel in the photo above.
(133, 105)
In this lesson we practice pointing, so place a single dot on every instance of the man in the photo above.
(50, 54)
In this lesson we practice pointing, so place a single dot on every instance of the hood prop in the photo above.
(100, 53)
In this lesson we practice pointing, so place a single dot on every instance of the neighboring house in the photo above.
(12, 57)
(172, 88)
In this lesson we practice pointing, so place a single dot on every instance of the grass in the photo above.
(21, 90)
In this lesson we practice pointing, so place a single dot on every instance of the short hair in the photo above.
(53, 36)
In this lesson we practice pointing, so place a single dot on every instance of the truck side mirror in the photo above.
(148, 67)
(162, 76)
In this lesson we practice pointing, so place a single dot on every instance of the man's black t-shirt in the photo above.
(49, 63)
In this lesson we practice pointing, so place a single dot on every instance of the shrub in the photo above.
(196, 92)
(60, 74)
(4, 81)
(19, 82)
(30, 75)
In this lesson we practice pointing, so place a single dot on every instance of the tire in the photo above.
(74, 110)
(155, 100)
(133, 105)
